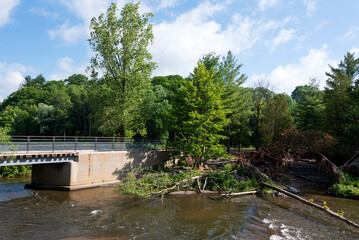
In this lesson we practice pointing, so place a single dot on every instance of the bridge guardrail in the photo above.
(77, 143)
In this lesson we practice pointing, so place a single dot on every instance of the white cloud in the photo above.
(11, 75)
(43, 12)
(321, 25)
(167, 3)
(5, 10)
(286, 78)
(180, 43)
(284, 35)
(311, 6)
(69, 34)
(355, 50)
(85, 10)
(351, 34)
(67, 67)
(265, 4)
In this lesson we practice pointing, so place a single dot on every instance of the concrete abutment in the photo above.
(92, 169)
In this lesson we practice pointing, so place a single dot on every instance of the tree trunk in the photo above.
(331, 213)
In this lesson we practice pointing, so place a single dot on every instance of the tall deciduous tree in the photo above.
(121, 51)
(200, 117)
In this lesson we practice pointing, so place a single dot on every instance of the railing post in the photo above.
(95, 144)
(53, 144)
(75, 144)
(113, 144)
(28, 144)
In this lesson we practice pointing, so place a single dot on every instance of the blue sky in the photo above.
(285, 42)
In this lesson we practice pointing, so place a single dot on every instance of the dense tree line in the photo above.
(201, 114)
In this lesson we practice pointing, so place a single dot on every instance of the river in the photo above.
(101, 213)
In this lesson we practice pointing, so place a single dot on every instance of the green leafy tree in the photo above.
(199, 117)
(37, 82)
(309, 106)
(276, 119)
(121, 51)
(15, 120)
(57, 97)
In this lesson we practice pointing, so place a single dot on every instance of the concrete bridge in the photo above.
(71, 163)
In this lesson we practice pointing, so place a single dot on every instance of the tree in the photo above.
(276, 118)
(341, 101)
(121, 51)
(309, 106)
(199, 117)
(37, 82)
(260, 96)
(211, 62)
(57, 97)
(237, 101)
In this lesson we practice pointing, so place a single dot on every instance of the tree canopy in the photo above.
(120, 45)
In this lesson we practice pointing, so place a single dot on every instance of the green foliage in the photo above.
(199, 118)
(276, 119)
(237, 102)
(10, 171)
(121, 51)
(224, 180)
(348, 189)
(144, 182)
(147, 182)
(340, 95)
(309, 106)
(260, 96)
(158, 106)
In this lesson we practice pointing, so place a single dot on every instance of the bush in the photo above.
(348, 189)
(10, 171)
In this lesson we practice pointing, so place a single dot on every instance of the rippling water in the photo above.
(103, 214)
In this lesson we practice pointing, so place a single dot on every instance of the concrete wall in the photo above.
(93, 168)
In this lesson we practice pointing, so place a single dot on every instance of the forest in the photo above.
(200, 115)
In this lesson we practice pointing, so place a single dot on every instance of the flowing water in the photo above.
(102, 213)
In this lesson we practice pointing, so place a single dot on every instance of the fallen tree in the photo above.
(331, 213)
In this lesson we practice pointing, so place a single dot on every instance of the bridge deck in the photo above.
(37, 158)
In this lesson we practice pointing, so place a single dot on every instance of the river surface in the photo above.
(101, 213)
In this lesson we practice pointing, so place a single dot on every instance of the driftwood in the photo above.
(331, 213)
(240, 193)
(330, 170)
(255, 173)
(352, 159)
(167, 190)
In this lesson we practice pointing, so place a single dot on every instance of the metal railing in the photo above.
(77, 143)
